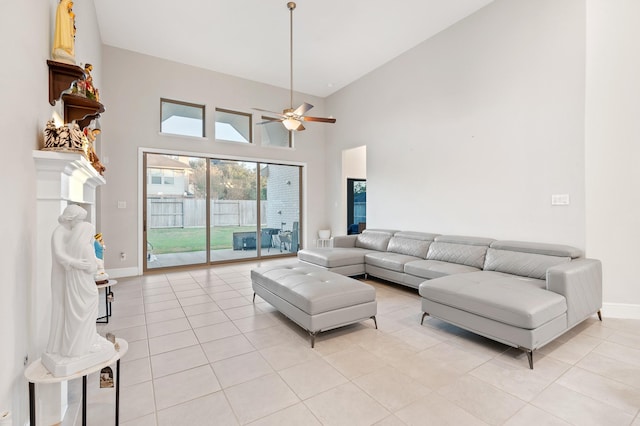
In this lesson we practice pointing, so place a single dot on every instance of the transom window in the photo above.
(181, 118)
(233, 126)
(274, 133)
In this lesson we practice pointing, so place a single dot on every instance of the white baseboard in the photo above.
(123, 272)
(621, 310)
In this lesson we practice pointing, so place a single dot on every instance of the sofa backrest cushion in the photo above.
(527, 259)
(374, 239)
(411, 243)
(538, 248)
(459, 249)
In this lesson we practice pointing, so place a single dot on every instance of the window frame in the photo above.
(188, 104)
(240, 113)
(289, 133)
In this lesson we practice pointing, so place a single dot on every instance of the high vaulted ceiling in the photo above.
(335, 41)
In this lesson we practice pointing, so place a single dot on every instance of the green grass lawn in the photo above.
(180, 240)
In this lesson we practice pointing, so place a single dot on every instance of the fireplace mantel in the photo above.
(61, 178)
(76, 177)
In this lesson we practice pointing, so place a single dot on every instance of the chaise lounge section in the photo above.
(522, 294)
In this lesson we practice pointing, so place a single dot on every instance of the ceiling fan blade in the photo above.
(302, 109)
(270, 120)
(320, 119)
(279, 114)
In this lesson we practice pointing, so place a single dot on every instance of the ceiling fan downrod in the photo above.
(291, 6)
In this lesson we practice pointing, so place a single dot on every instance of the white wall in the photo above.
(23, 113)
(133, 86)
(27, 27)
(472, 131)
(613, 149)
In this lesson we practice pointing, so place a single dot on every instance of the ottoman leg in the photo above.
(313, 338)
(254, 297)
(424, 314)
(375, 321)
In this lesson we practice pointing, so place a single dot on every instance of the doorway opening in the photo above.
(356, 205)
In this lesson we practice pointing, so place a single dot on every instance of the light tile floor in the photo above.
(201, 353)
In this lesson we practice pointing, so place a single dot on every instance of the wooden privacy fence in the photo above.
(191, 212)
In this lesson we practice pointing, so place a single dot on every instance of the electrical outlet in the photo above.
(26, 360)
(123, 256)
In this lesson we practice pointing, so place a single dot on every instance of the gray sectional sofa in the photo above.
(519, 293)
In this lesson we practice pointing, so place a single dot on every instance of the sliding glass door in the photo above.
(234, 209)
(203, 210)
(175, 211)
(281, 195)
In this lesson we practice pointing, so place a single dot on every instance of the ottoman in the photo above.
(315, 299)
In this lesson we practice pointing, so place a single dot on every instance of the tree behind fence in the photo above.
(191, 212)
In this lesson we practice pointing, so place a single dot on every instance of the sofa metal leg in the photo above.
(313, 338)
(529, 353)
(599, 314)
(424, 314)
(254, 297)
(375, 321)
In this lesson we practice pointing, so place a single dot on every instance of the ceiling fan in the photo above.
(292, 118)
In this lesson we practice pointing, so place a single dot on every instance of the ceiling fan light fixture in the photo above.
(291, 124)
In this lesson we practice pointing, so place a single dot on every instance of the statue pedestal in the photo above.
(61, 366)
(37, 374)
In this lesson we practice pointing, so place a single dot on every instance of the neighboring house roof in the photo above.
(163, 162)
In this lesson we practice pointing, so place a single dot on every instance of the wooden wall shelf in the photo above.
(61, 77)
(81, 109)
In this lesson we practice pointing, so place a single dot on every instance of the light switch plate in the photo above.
(122, 204)
(560, 200)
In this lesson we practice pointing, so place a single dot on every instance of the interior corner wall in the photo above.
(23, 112)
(473, 130)
(131, 92)
(613, 151)
(27, 25)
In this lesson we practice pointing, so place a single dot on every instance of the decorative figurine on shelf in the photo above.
(90, 91)
(74, 343)
(64, 35)
(91, 135)
(101, 276)
(67, 137)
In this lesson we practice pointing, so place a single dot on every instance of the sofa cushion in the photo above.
(373, 239)
(333, 257)
(459, 249)
(521, 263)
(512, 300)
(411, 243)
(387, 260)
(430, 269)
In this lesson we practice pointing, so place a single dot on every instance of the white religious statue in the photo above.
(74, 343)
(65, 32)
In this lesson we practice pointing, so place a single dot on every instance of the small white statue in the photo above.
(101, 277)
(74, 343)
